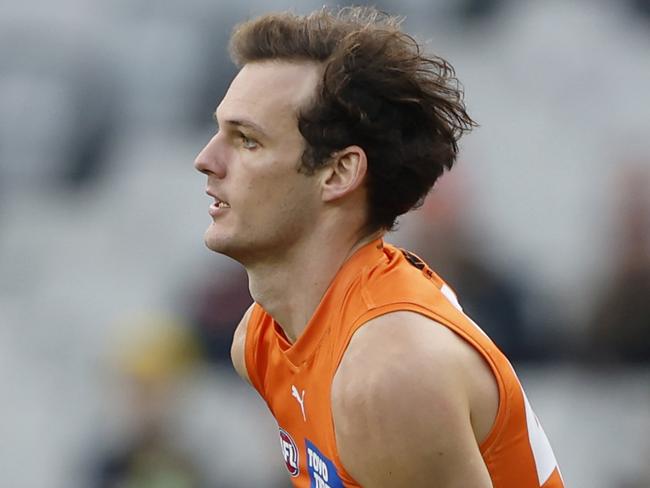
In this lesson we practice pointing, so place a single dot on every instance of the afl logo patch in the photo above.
(290, 453)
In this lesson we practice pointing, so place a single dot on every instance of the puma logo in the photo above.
(301, 400)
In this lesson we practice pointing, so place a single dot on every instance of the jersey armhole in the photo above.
(250, 348)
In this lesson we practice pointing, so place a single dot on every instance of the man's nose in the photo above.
(210, 159)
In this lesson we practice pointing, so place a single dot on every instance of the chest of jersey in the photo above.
(301, 407)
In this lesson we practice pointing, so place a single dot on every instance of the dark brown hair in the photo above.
(378, 91)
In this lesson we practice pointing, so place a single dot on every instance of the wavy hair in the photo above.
(378, 91)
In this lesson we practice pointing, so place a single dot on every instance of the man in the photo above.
(335, 125)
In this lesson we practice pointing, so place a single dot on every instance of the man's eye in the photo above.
(247, 143)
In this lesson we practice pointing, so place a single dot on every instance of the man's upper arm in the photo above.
(401, 409)
(238, 348)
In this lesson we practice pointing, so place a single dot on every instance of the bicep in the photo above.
(404, 448)
(238, 348)
(401, 419)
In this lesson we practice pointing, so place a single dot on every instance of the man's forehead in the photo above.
(269, 89)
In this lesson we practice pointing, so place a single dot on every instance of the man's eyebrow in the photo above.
(242, 123)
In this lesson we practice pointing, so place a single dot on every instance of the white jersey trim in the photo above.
(543, 455)
(545, 462)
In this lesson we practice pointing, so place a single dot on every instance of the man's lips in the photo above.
(216, 210)
(219, 201)
(219, 206)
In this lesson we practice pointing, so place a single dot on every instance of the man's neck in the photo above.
(291, 288)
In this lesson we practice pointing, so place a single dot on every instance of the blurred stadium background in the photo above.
(115, 320)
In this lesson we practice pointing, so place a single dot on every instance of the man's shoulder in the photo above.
(390, 351)
(401, 382)
(395, 356)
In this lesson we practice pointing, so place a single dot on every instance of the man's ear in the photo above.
(344, 173)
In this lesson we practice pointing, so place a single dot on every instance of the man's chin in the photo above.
(220, 244)
(213, 241)
(215, 245)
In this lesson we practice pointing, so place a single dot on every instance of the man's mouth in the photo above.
(218, 202)
(218, 207)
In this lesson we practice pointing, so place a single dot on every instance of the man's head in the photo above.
(262, 203)
(366, 117)
(377, 91)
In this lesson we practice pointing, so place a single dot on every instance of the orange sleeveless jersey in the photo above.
(295, 380)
